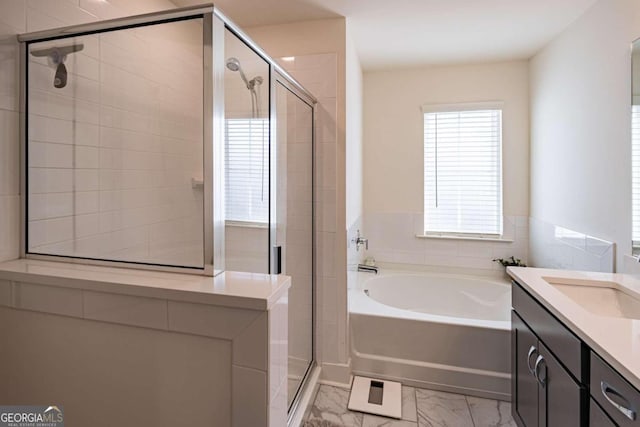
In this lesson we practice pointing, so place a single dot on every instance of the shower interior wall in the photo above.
(113, 154)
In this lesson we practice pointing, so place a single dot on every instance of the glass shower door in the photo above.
(246, 157)
(292, 231)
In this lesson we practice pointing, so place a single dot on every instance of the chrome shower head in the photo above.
(60, 79)
(233, 64)
(57, 55)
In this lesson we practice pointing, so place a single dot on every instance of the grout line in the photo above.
(415, 399)
(470, 413)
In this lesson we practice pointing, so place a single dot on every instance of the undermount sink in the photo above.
(600, 297)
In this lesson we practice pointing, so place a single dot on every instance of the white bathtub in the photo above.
(440, 331)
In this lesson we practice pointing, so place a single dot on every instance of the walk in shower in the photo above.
(170, 141)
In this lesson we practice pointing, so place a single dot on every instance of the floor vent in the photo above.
(377, 397)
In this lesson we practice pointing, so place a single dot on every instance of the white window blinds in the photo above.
(463, 171)
(635, 174)
(247, 170)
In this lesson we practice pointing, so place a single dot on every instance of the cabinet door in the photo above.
(597, 417)
(524, 350)
(559, 395)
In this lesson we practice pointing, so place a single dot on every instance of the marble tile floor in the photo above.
(420, 408)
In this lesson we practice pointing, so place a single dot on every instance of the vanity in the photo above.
(575, 348)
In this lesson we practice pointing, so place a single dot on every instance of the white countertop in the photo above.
(615, 339)
(229, 289)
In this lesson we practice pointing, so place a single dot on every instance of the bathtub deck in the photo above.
(420, 408)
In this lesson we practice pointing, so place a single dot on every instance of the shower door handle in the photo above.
(277, 260)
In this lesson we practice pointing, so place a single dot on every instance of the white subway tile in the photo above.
(50, 180)
(6, 293)
(87, 202)
(49, 299)
(212, 321)
(128, 310)
(9, 227)
(59, 229)
(62, 10)
(86, 225)
(59, 205)
(248, 390)
(87, 180)
(38, 21)
(9, 72)
(13, 14)
(37, 234)
(87, 157)
(46, 129)
(251, 345)
(9, 153)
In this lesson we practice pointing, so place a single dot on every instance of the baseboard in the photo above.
(305, 402)
(471, 382)
(336, 374)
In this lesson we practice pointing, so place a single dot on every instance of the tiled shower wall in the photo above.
(355, 255)
(134, 169)
(112, 155)
(318, 73)
(12, 21)
(392, 239)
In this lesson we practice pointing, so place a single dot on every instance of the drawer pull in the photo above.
(533, 350)
(606, 390)
(539, 362)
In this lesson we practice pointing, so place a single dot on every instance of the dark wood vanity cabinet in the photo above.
(524, 385)
(616, 397)
(546, 391)
(597, 417)
(557, 380)
(545, 394)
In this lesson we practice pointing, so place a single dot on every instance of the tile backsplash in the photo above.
(392, 239)
(552, 246)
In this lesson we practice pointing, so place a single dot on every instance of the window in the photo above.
(463, 170)
(247, 170)
(635, 175)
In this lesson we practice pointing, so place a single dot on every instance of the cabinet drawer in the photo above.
(618, 398)
(562, 343)
(597, 417)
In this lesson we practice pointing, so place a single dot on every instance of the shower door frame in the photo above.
(312, 103)
(277, 74)
(213, 130)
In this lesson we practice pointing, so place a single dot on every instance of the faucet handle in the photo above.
(365, 242)
(359, 241)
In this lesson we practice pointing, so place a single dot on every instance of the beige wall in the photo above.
(393, 162)
(393, 129)
(581, 126)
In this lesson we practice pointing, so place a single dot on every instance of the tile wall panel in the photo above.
(392, 239)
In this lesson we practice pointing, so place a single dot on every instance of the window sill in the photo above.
(470, 238)
(246, 224)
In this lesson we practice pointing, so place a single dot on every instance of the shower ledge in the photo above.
(231, 289)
